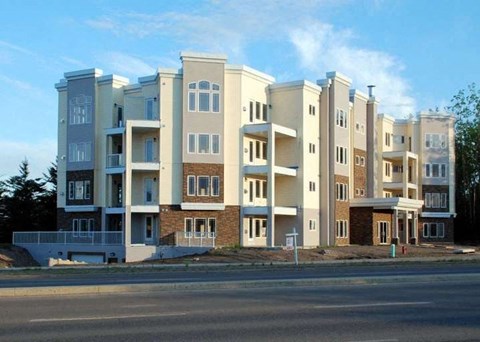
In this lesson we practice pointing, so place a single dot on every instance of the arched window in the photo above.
(206, 95)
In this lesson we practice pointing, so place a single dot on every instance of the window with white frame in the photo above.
(362, 161)
(188, 227)
(215, 180)
(79, 190)
(312, 225)
(264, 150)
(435, 200)
(341, 191)
(204, 143)
(215, 143)
(203, 96)
(341, 156)
(398, 139)
(212, 227)
(200, 227)
(435, 170)
(203, 186)
(191, 185)
(341, 118)
(80, 108)
(83, 227)
(383, 231)
(342, 229)
(80, 152)
(397, 168)
(264, 112)
(434, 230)
(435, 140)
(150, 109)
(192, 139)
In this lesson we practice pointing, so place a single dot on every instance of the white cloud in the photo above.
(322, 48)
(40, 155)
(73, 61)
(124, 64)
(16, 48)
(16, 83)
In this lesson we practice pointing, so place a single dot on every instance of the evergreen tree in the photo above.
(466, 107)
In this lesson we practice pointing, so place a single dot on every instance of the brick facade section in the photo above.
(83, 175)
(360, 173)
(361, 232)
(437, 189)
(201, 169)
(172, 219)
(449, 231)
(64, 219)
(364, 225)
(342, 211)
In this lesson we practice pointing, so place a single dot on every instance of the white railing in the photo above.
(115, 160)
(65, 238)
(195, 239)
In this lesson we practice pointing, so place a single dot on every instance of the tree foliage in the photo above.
(27, 204)
(466, 106)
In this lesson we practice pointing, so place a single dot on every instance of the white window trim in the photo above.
(207, 188)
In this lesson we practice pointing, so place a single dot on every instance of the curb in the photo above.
(243, 284)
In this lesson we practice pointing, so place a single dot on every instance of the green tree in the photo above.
(21, 210)
(466, 106)
(47, 201)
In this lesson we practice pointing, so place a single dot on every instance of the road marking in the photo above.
(99, 318)
(138, 306)
(388, 340)
(368, 305)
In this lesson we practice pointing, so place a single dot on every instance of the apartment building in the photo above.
(221, 154)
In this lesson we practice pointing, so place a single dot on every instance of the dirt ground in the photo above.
(265, 255)
(13, 256)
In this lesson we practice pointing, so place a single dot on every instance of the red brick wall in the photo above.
(382, 215)
(82, 175)
(449, 230)
(361, 226)
(360, 173)
(437, 189)
(64, 219)
(172, 219)
(342, 211)
(201, 169)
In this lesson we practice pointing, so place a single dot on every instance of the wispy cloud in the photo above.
(321, 47)
(16, 48)
(73, 61)
(39, 155)
(125, 64)
(21, 85)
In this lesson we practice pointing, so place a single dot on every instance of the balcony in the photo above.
(68, 238)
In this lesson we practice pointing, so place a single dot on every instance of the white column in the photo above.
(271, 187)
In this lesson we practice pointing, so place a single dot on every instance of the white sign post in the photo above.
(291, 243)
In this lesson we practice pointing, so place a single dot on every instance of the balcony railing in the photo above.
(67, 238)
(115, 160)
(195, 239)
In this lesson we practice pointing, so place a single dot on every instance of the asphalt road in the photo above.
(438, 311)
(59, 277)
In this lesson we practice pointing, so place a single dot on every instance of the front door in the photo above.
(383, 227)
(148, 190)
(149, 150)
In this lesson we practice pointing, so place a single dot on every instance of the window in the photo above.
(435, 170)
(191, 142)
(83, 227)
(148, 188)
(434, 230)
(435, 140)
(79, 190)
(341, 155)
(311, 148)
(215, 186)
(258, 190)
(388, 169)
(398, 168)
(357, 160)
(207, 94)
(357, 127)
(387, 138)
(80, 152)
(264, 189)
(203, 185)
(341, 118)
(149, 112)
(148, 227)
(251, 112)
(311, 109)
(250, 151)
(399, 139)
(257, 228)
(257, 110)
(342, 228)
(428, 200)
(311, 186)
(264, 112)
(212, 227)
(250, 191)
(435, 200)
(257, 149)
(312, 224)
(341, 191)
(443, 200)
(80, 110)
(362, 161)
(203, 143)
(264, 150)
(191, 185)
(383, 231)
(200, 225)
(215, 143)
(188, 227)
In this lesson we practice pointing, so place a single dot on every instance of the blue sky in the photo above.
(419, 53)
